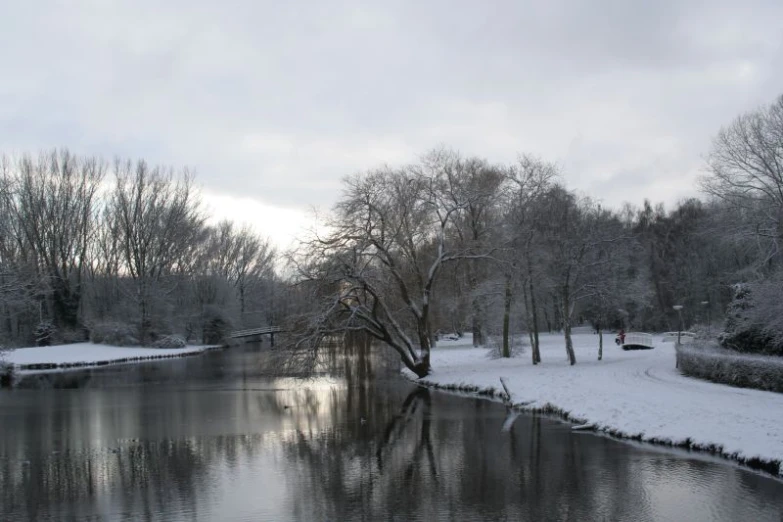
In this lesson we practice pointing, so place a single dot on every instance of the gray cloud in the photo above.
(278, 102)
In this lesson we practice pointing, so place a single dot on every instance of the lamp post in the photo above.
(707, 304)
(679, 312)
(679, 333)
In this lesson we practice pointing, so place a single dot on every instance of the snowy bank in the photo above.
(88, 354)
(635, 394)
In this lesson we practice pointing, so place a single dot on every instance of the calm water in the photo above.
(212, 438)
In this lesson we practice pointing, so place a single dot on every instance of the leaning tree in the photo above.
(375, 269)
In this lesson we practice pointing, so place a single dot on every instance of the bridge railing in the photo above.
(255, 331)
(638, 339)
(685, 337)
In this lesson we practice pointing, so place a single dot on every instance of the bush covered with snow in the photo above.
(44, 333)
(754, 320)
(115, 334)
(170, 341)
(728, 367)
(705, 332)
(72, 335)
(495, 344)
(215, 324)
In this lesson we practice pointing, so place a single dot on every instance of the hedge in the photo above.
(715, 364)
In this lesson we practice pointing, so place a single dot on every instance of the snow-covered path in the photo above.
(89, 354)
(633, 394)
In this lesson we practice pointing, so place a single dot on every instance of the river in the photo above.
(215, 438)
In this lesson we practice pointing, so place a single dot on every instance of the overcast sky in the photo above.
(273, 103)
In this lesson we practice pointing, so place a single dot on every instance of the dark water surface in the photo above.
(212, 438)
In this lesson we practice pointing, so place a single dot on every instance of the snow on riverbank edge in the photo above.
(86, 355)
(637, 396)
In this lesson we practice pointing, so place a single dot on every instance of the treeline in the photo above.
(461, 244)
(122, 252)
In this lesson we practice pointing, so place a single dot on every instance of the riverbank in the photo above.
(81, 355)
(638, 395)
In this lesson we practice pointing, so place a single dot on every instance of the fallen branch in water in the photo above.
(508, 400)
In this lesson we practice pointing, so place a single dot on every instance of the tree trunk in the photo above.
(529, 322)
(422, 366)
(567, 328)
(475, 305)
(507, 318)
(600, 343)
(144, 326)
(534, 312)
(547, 320)
(476, 326)
(532, 344)
(569, 342)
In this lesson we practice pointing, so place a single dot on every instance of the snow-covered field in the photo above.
(635, 394)
(89, 354)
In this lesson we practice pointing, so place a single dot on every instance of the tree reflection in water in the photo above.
(429, 459)
(216, 438)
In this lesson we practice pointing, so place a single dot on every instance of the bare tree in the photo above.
(376, 269)
(605, 286)
(158, 220)
(746, 169)
(576, 233)
(20, 288)
(53, 204)
(105, 269)
(80, 253)
(529, 180)
(478, 184)
(240, 256)
(227, 266)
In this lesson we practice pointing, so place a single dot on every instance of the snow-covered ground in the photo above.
(635, 394)
(89, 354)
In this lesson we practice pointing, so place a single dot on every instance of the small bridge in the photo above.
(638, 341)
(256, 334)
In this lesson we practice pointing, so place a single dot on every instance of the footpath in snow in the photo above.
(88, 354)
(634, 394)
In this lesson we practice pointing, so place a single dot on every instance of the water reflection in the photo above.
(426, 462)
(215, 438)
